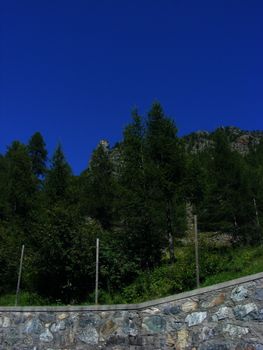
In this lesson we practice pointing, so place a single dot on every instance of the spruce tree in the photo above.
(141, 235)
(229, 202)
(4, 206)
(59, 178)
(166, 172)
(65, 259)
(21, 184)
(99, 186)
(38, 154)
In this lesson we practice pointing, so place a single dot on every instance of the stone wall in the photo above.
(225, 316)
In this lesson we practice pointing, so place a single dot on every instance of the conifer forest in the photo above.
(138, 197)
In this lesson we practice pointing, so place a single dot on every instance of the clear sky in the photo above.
(74, 70)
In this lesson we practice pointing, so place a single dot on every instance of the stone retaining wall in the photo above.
(225, 316)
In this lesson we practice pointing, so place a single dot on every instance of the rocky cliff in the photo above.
(241, 140)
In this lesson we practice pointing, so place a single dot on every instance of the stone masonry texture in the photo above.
(221, 317)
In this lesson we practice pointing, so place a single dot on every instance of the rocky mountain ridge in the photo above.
(241, 140)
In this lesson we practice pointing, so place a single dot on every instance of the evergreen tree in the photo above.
(141, 235)
(167, 169)
(38, 154)
(20, 182)
(99, 186)
(132, 196)
(59, 178)
(65, 259)
(10, 248)
(229, 201)
(196, 180)
(4, 206)
(18, 201)
(254, 178)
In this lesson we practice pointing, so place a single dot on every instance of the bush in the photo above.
(25, 299)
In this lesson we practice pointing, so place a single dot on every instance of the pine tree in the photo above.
(59, 178)
(196, 179)
(65, 260)
(38, 154)
(167, 169)
(4, 206)
(254, 179)
(229, 202)
(141, 235)
(21, 184)
(99, 186)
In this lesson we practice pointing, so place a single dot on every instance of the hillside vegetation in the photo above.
(139, 198)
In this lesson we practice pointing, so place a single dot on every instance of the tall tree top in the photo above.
(156, 112)
(21, 184)
(158, 123)
(38, 154)
(59, 176)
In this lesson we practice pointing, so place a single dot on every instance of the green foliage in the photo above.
(137, 207)
(64, 265)
(216, 265)
(166, 172)
(9, 256)
(240, 262)
(59, 176)
(134, 198)
(228, 203)
(25, 299)
(98, 187)
(38, 154)
(4, 206)
(196, 180)
(20, 182)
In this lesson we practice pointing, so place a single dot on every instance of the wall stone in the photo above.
(221, 317)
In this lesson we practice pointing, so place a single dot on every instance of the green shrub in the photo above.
(25, 299)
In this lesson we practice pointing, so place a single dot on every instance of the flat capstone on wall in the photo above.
(221, 317)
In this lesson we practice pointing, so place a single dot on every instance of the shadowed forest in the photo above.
(139, 198)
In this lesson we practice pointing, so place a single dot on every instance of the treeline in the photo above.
(133, 197)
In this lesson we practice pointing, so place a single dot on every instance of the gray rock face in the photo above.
(131, 324)
(235, 331)
(224, 312)
(195, 318)
(239, 293)
(173, 325)
(242, 140)
(155, 323)
(214, 346)
(172, 310)
(152, 311)
(206, 333)
(246, 312)
(87, 319)
(58, 326)
(5, 322)
(190, 306)
(89, 336)
(46, 337)
(33, 326)
(47, 317)
(259, 294)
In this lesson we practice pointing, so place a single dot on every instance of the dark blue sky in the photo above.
(73, 70)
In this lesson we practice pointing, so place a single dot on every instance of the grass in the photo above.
(217, 264)
(244, 261)
(25, 299)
